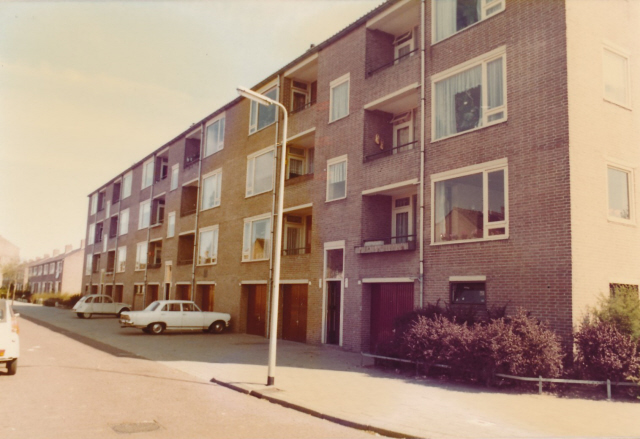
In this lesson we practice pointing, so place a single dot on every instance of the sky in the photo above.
(89, 88)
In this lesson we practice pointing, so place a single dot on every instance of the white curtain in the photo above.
(340, 101)
(445, 18)
(440, 211)
(337, 178)
(446, 91)
(495, 94)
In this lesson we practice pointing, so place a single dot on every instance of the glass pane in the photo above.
(495, 88)
(619, 194)
(212, 138)
(496, 196)
(458, 209)
(337, 181)
(402, 227)
(260, 239)
(340, 101)
(459, 102)
(615, 77)
(205, 252)
(296, 167)
(335, 264)
(467, 13)
(497, 232)
(402, 136)
(267, 114)
(263, 173)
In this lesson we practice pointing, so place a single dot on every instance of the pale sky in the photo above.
(89, 88)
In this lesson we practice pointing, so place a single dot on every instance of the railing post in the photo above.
(540, 384)
(609, 390)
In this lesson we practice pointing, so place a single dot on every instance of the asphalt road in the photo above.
(67, 389)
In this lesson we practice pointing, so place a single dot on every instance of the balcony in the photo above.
(389, 244)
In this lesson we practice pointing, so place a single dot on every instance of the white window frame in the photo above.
(247, 238)
(58, 269)
(251, 166)
(410, 41)
(123, 222)
(175, 173)
(127, 180)
(409, 210)
(332, 162)
(144, 220)
(630, 193)
(254, 111)
(171, 224)
(485, 169)
(483, 60)
(218, 144)
(297, 90)
(92, 234)
(214, 256)
(217, 175)
(94, 203)
(398, 126)
(147, 173)
(121, 262)
(142, 249)
(486, 5)
(332, 85)
(608, 47)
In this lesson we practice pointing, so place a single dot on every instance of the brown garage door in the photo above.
(388, 301)
(294, 312)
(256, 309)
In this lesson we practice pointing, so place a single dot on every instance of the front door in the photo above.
(204, 297)
(256, 309)
(152, 294)
(294, 312)
(333, 312)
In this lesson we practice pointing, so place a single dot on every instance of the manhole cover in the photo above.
(135, 427)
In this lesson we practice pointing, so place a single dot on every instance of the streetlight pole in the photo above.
(273, 331)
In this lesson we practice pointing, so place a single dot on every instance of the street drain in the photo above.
(136, 427)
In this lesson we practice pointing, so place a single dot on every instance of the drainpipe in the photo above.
(115, 258)
(422, 144)
(195, 233)
(146, 266)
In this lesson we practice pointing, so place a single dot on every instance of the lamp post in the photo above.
(273, 331)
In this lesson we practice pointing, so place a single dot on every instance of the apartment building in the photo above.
(60, 273)
(479, 152)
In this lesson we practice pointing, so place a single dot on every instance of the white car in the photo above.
(9, 339)
(175, 315)
(99, 304)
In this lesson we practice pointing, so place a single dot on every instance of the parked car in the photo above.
(9, 338)
(99, 304)
(175, 315)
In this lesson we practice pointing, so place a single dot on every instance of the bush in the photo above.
(70, 301)
(604, 352)
(622, 310)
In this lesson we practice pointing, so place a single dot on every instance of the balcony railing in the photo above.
(299, 108)
(191, 160)
(296, 251)
(389, 64)
(388, 152)
(155, 265)
(387, 244)
(185, 261)
(188, 211)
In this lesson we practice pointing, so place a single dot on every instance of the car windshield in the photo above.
(152, 306)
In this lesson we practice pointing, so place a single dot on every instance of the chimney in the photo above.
(82, 243)
(56, 252)
(68, 248)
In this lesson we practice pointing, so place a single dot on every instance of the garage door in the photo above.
(294, 312)
(388, 301)
(256, 309)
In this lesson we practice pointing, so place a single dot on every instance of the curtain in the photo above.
(402, 227)
(495, 96)
(440, 211)
(340, 101)
(445, 18)
(337, 179)
(447, 91)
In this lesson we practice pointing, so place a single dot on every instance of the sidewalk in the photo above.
(331, 383)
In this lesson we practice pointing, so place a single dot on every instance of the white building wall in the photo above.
(72, 273)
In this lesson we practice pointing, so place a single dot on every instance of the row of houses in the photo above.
(482, 153)
(59, 273)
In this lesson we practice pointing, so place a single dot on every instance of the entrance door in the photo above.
(167, 291)
(256, 309)
(388, 301)
(152, 294)
(294, 312)
(118, 295)
(333, 312)
(204, 297)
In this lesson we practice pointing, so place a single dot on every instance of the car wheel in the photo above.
(12, 366)
(80, 315)
(156, 328)
(86, 315)
(121, 311)
(216, 327)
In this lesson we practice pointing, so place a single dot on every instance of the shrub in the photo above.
(70, 301)
(604, 352)
(622, 310)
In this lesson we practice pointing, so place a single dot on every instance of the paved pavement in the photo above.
(334, 384)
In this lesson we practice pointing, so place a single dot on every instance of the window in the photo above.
(171, 225)
(40, 270)
(402, 131)
(141, 256)
(215, 137)
(111, 261)
(126, 185)
(339, 98)
(94, 203)
(297, 235)
(337, 178)
(117, 189)
(256, 245)
(147, 174)
(260, 172)
(192, 151)
(52, 267)
(124, 222)
(162, 168)
(262, 116)
(404, 46)
(101, 200)
(470, 96)
(113, 227)
(145, 214)
(88, 269)
(121, 262)
(157, 209)
(402, 219)
(99, 228)
(211, 186)
(46, 269)
(620, 193)
(92, 234)
(96, 263)
(208, 246)
(175, 169)
(155, 253)
(615, 69)
(468, 292)
(452, 16)
(623, 290)
(299, 95)
(299, 161)
(470, 204)
(59, 269)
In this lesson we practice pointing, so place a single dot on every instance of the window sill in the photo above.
(259, 193)
(339, 119)
(214, 152)
(207, 265)
(467, 241)
(336, 199)
(618, 104)
(471, 131)
(255, 260)
(622, 222)
(209, 208)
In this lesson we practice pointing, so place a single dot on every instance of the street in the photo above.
(66, 389)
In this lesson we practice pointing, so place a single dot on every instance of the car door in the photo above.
(191, 316)
(97, 305)
(171, 315)
(108, 306)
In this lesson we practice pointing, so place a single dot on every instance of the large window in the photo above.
(144, 214)
(620, 193)
(261, 115)
(124, 222)
(141, 256)
(215, 136)
(208, 246)
(256, 243)
(126, 185)
(121, 263)
(175, 170)
(211, 186)
(468, 293)
(147, 174)
(470, 96)
(259, 172)
(94, 203)
(452, 16)
(337, 178)
(88, 266)
(615, 69)
(171, 225)
(339, 98)
(92, 234)
(470, 203)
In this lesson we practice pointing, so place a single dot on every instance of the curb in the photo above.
(316, 414)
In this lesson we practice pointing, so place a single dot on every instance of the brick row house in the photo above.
(479, 152)
(60, 273)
